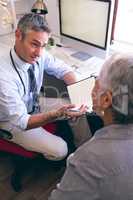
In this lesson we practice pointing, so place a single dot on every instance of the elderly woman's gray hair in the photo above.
(32, 21)
(117, 76)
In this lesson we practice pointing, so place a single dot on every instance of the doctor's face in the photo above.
(30, 47)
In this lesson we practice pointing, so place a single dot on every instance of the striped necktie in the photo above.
(33, 89)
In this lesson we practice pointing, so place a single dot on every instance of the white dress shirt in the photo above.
(15, 96)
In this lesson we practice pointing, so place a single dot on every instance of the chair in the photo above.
(19, 155)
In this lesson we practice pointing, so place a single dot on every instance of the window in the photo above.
(123, 19)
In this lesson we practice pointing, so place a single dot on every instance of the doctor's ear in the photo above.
(18, 34)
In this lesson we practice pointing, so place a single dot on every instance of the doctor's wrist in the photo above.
(52, 115)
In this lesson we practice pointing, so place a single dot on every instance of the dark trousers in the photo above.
(64, 129)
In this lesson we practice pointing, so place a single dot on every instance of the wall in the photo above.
(53, 16)
(22, 7)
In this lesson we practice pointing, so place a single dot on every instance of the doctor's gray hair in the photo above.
(32, 21)
(117, 76)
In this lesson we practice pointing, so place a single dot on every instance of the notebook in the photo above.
(80, 92)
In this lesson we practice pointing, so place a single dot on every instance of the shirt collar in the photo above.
(19, 62)
(115, 131)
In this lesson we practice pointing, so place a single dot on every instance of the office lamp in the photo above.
(39, 7)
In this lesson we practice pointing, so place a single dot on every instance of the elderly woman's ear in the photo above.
(106, 100)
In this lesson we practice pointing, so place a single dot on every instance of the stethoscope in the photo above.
(14, 66)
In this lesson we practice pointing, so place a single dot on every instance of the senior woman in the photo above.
(102, 168)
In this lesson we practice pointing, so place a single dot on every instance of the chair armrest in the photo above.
(4, 134)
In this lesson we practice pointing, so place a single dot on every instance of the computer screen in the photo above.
(85, 20)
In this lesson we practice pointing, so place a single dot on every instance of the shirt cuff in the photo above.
(24, 121)
(66, 69)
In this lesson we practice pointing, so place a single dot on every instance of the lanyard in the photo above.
(14, 66)
(36, 107)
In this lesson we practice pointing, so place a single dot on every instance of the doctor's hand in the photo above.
(71, 112)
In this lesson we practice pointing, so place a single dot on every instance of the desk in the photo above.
(83, 69)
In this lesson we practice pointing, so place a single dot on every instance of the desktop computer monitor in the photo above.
(86, 21)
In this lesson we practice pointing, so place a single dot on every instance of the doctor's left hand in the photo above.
(70, 111)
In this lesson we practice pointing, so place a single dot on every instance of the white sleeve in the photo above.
(13, 109)
(54, 66)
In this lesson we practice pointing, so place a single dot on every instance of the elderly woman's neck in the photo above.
(108, 118)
